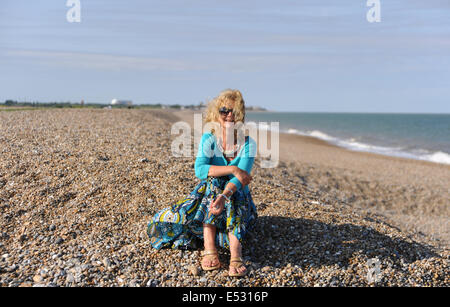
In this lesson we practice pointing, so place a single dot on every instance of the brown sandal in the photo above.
(211, 254)
(237, 263)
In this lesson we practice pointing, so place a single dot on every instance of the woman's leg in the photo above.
(236, 252)
(209, 238)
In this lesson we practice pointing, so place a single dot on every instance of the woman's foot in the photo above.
(210, 260)
(237, 268)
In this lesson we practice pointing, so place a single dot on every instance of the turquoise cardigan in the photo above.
(209, 154)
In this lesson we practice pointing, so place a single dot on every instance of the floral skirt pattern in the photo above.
(181, 225)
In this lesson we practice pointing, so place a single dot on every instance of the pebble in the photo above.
(266, 269)
(70, 279)
(37, 278)
(194, 270)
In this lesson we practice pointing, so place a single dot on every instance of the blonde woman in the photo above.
(220, 210)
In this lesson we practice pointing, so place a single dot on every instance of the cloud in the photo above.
(213, 62)
(100, 61)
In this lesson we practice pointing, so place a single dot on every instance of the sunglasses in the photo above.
(225, 111)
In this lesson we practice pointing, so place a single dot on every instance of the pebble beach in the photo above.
(78, 187)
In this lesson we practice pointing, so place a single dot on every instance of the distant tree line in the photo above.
(50, 104)
(14, 103)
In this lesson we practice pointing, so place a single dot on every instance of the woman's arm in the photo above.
(217, 206)
(219, 170)
(242, 177)
(204, 156)
(245, 165)
(204, 168)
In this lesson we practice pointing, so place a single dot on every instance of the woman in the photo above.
(220, 209)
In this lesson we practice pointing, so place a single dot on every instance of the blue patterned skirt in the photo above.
(181, 225)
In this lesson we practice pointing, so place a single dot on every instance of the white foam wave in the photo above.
(352, 144)
(321, 135)
(439, 157)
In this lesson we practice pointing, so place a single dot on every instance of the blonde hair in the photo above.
(226, 96)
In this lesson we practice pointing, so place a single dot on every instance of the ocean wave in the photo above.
(352, 144)
(439, 157)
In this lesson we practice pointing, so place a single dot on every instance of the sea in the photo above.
(415, 136)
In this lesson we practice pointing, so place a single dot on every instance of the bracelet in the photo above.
(226, 197)
(229, 190)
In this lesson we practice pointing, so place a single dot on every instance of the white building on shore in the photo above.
(117, 102)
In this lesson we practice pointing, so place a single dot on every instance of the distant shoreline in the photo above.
(178, 107)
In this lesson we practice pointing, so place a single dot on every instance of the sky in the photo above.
(306, 56)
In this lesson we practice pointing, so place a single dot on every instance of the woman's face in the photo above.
(226, 118)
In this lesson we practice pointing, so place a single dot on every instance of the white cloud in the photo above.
(100, 61)
(214, 62)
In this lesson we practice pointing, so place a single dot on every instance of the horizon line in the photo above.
(255, 111)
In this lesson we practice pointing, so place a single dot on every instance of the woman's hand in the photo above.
(242, 176)
(217, 206)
